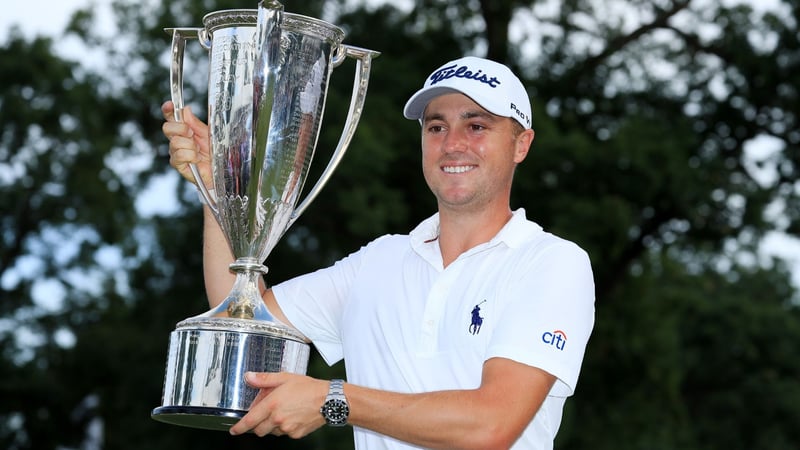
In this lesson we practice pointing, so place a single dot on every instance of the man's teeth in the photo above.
(457, 169)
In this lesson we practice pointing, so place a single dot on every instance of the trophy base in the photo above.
(204, 384)
(198, 417)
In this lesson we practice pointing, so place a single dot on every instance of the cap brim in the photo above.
(416, 105)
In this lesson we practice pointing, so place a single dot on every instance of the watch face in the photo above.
(336, 411)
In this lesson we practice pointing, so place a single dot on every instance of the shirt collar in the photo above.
(518, 230)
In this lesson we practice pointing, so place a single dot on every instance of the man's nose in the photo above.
(455, 140)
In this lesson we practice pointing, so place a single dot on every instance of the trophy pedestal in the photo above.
(204, 385)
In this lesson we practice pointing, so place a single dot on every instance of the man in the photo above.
(467, 333)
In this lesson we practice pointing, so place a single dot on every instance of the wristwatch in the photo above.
(335, 409)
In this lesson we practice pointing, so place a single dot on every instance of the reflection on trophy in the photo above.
(268, 78)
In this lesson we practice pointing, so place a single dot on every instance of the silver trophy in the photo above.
(268, 79)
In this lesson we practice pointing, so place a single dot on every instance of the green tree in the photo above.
(643, 112)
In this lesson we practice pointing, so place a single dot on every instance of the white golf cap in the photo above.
(489, 84)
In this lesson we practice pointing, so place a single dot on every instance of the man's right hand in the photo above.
(188, 143)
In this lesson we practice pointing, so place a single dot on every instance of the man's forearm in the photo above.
(431, 420)
(489, 417)
(217, 258)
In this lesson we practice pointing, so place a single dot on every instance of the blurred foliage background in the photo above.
(667, 145)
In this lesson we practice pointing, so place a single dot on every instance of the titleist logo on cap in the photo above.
(456, 71)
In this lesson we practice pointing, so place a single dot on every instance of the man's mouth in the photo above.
(458, 169)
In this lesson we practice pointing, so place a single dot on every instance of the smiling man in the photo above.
(470, 331)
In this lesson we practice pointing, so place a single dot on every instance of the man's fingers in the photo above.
(265, 428)
(168, 110)
(182, 152)
(198, 127)
(188, 142)
(264, 380)
(257, 420)
(182, 157)
(177, 130)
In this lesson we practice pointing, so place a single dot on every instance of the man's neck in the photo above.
(460, 231)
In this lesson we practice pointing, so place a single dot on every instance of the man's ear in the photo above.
(523, 145)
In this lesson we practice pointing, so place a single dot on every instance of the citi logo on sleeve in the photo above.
(557, 339)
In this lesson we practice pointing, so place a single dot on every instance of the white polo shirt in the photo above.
(404, 323)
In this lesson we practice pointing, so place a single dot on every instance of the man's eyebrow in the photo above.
(434, 116)
(477, 113)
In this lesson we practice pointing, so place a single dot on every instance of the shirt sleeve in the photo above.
(549, 315)
(314, 304)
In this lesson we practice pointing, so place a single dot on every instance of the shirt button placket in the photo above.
(434, 308)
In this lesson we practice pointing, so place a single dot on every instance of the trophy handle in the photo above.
(363, 59)
(179, 38)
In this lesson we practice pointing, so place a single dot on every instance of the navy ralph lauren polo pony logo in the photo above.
(455, 71)
(477, 320)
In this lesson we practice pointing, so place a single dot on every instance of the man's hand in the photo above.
(288, 404)
(188, 143)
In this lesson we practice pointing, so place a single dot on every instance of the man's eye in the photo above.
(435, 128)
